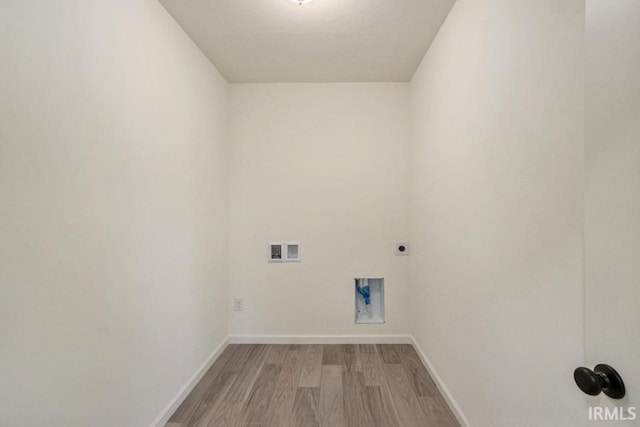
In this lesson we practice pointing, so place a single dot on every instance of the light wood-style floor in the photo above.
(315, 385)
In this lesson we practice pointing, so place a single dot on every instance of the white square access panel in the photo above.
(369, 300)
(292, 252)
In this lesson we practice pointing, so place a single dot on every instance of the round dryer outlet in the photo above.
(402, 248)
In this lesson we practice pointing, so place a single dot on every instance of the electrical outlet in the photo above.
(238, 304)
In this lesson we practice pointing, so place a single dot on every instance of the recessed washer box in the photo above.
(371, 289)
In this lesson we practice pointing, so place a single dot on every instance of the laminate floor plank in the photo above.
(209, 402)
(241, 387)
(418, 375)
(195, 399)
(227, 414)
(389, 353)
(332, 354)
(381, 406)
(277, 353)
(312, 367)
(285, 393)
(298, 347)
(254, 412)
(306, 408)
(408, 408)
(351, 358)
(240, 357)
(438, 412)
(367, 348)
(356, 407)
(331, 397)
(404, 348)
(372, 369)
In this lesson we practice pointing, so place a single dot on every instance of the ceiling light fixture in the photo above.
(301, 2)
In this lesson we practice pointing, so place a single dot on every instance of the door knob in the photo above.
(603, 378)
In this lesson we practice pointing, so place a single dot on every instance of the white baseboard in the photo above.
(191, 383)
(320, 339)
(453, 405)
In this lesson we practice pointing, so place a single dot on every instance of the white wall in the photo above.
(497, 298)
(112, 212)
(325, 164)
(612, 192)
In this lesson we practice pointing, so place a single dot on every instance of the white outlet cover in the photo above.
(238, 304)
(402, 248)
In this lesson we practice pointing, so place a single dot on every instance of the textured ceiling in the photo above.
(322, 41)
